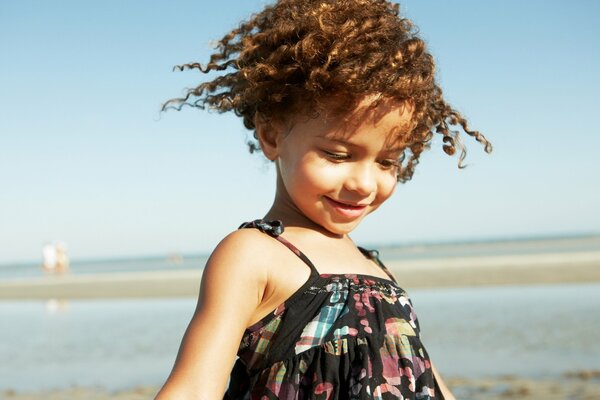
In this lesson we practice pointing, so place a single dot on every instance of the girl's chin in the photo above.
(340, 228)
(332, 224)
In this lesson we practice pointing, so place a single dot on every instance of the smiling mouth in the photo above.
(345, 206)
(351, 206)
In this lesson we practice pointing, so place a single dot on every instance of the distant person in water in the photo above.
(55, 258)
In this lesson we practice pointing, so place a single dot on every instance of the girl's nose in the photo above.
(361, 179)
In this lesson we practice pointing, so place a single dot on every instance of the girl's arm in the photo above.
(446, 393)
(231, 289)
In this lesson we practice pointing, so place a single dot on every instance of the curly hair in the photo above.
(295, 54)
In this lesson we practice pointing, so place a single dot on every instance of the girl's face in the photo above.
(334, 171)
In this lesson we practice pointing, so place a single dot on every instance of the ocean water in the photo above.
(534, 331)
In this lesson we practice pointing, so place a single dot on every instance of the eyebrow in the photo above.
(397, 149)
(333, 139)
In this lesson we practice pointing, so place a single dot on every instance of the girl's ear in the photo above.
(267, 133)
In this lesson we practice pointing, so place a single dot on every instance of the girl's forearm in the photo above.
(446, 393)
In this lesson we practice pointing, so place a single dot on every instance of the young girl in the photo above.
(341, 97)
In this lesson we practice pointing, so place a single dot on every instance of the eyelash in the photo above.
(336, 156)
(389, 164)
(385, 164)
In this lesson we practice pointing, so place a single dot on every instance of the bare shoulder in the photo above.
(243, 249)
(240, 258)
(262, 271)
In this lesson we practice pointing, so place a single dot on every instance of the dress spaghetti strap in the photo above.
(373, 255)
(275, 229)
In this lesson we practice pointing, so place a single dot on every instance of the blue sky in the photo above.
(86, 157)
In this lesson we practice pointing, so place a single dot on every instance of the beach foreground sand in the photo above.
(465, 271)
(584, 385)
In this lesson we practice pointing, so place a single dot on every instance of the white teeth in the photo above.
(348, 205)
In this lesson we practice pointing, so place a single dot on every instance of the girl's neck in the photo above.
(291, 217)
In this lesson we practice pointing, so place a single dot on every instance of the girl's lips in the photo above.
(346, 210)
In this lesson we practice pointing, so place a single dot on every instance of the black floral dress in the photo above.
(342, 336)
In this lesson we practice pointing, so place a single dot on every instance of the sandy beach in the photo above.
(448, 272)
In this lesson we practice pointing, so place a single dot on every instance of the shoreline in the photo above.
(526, 269)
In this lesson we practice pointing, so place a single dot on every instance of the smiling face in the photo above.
(333, 171)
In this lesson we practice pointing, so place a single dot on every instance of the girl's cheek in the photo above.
(388, 187)
(324, 173)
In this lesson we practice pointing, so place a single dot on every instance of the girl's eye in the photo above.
(388, 164)
(336, 156)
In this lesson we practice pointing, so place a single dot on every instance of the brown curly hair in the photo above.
(295, 54)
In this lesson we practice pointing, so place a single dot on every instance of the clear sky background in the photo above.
(87, 158)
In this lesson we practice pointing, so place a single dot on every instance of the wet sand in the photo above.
(584, 385)
(465, 271)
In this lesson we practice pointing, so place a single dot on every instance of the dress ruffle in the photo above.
(347, 368)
